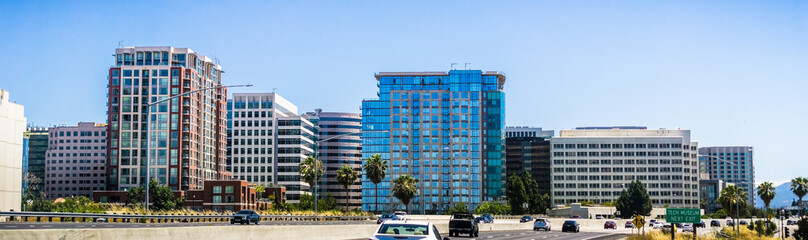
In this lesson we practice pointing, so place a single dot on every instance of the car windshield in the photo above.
(403, 229)
(244, 212)
(463, 216)
(387, 215)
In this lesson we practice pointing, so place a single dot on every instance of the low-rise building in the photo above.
(710, 191)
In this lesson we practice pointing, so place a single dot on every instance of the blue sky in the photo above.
(733, 72)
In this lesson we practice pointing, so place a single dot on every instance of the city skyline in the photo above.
(736, 64)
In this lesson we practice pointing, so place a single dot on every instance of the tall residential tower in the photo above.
(444, 129)
(185, 137)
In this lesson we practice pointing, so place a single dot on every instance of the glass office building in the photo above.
(444, 129)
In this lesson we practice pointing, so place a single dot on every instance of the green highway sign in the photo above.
(683, 215)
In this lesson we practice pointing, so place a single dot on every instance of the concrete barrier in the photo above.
(241, 232)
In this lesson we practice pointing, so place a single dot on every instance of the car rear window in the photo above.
(387, 215)
(403, 229)
(244, 212)
(539, 220)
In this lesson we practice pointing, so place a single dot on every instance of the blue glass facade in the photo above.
(445, 129)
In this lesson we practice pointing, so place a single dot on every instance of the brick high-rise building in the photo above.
(187, 134)
(75, 161)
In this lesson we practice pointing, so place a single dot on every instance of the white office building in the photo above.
(12, 127)
(596, 164)
(267, 141)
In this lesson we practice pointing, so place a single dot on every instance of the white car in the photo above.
(657, 225)
(687, 227)
(414, 230)
(402, 215)
(541, 223)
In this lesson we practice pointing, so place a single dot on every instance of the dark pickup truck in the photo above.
(463, 223)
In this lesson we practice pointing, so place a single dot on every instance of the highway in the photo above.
(539, 235)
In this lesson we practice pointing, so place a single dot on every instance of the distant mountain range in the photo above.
(782, 198)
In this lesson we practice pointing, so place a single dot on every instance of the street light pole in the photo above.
(148, 126)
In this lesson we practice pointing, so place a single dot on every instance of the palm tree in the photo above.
(799, 186)
(404, 189)
(376, 170)
(732, 196)
(766, 191)
(346, 176)
(311, 170)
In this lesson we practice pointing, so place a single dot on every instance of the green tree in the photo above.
(404, 189)
(537, 202)
(458, 208)
(493, 208)
(162, 198)
(260, 190)
(376, 170)
(766, 191)
(633, 201)
(135, 195)
(517, 195)
(732, 199)
(802, 232)
(311, 170)
(346, 177)
(799, 186)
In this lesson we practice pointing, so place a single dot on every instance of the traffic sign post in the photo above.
(639, 223)
(682, 215)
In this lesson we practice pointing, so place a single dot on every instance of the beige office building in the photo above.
(596, 164)
(12, 127)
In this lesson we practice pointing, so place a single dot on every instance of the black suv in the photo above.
(570, 226)
(245, 217)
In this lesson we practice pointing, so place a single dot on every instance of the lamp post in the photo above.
(148, 125)
(317, 160)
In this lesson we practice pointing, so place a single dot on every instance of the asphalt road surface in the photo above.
(540, 235)
(69, 225)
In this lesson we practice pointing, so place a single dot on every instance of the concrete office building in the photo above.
(596, 164)
(444, 129)
(75, 162)
(12, 127)
(268, 140)
(186, 136)
(732, 164)
(527, 149)
(340, 148)
(710, 190)
(34, 172)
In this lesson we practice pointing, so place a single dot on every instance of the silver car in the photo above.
(541, 223)
(407, 230)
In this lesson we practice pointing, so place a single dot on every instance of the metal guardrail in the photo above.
(127, 218)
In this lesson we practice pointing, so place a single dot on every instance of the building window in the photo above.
(217, 199)
(228, 189)
(217, 189)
